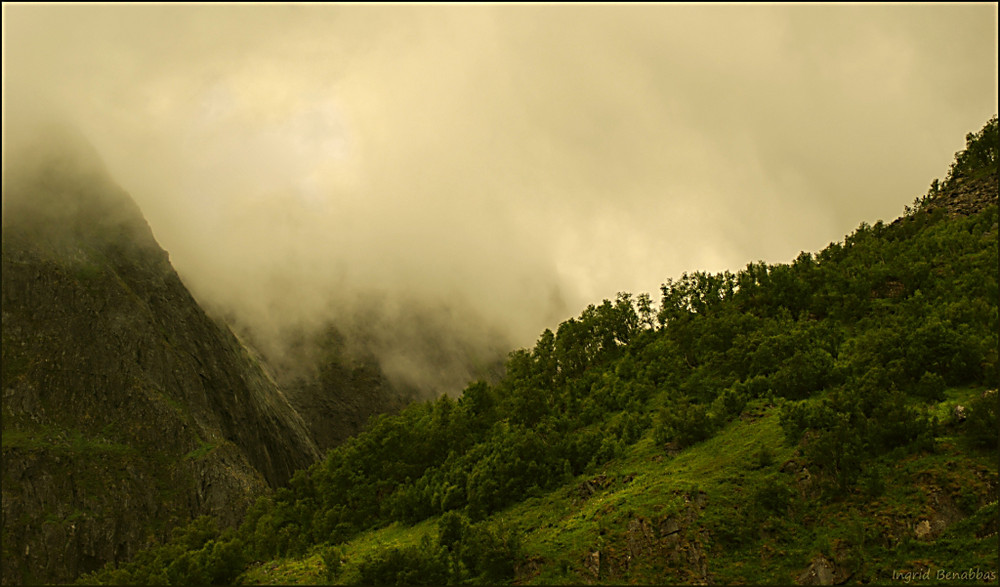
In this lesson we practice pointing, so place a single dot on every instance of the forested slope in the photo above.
(830, 419)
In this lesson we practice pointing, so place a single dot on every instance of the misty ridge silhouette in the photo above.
(425, 347)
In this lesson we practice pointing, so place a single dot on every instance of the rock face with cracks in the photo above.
(126, 409)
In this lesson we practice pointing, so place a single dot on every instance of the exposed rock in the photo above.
(803, 477)
(338, 402)
(593, 564)
(960, 413)
(842, 561)
(943, 513)
(889, 289)
(639, 537)
(673, 540)
(697, 558)
(923, 530)
(820, 572)
(963, 197)
(588, 488)
(126, 409)
(527, 568)
(790, 466)
(938, 512)
(672, 449)
(669, 527)
(967, 197)
(698, 500)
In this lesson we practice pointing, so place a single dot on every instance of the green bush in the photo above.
(332, 557)
(490, 553)
(452, 527)
(930, 387)
(981, 423)
(413, 565)
(772, 498)
(685, 423)
(979, 157)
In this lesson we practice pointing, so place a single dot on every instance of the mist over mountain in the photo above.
(496, 167)
(126, 409)
(828, 420)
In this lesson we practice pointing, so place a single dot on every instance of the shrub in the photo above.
(451, 528)
(772, 498)
(931, 387)
(685, 423)
(981, 423)
(412, 565)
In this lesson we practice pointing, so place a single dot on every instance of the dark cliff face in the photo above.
(337, 399)
(126, 409)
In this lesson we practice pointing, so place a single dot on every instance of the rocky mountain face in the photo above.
(126, 409)
(344, 384)
(338, 381)
(337, 401)
(968, 196)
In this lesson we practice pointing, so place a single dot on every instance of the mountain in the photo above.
(337, 398)
(828, 420)
(126, 409)
(338, 382)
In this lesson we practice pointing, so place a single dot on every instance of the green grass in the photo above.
(288, 571)
(955, 396)
(88, 272)
(203, 450)
(66, 441)
(72, 517)
(310, 569)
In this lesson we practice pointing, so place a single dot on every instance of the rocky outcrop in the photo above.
(965, 197)
(674, 542)
(959, 197)
(821, 571)
(126, 409)
(337, 401)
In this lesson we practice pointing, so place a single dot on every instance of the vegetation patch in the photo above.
(203, 450)
(65, 441)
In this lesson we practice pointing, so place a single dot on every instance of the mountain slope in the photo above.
(738, 494)
(828, 420)
(740, 508)
(126, 409)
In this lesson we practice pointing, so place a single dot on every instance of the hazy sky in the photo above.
(521, 161)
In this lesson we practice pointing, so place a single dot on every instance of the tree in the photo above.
(981, 424)
(647, 316)
(979, 156)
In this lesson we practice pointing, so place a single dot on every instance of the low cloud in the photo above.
(499, 166)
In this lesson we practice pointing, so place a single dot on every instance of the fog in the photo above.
(498, 167)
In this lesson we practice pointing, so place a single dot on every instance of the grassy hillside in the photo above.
(704, 515)
(821, 421)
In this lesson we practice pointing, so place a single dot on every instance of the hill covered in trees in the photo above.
(828, 420)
